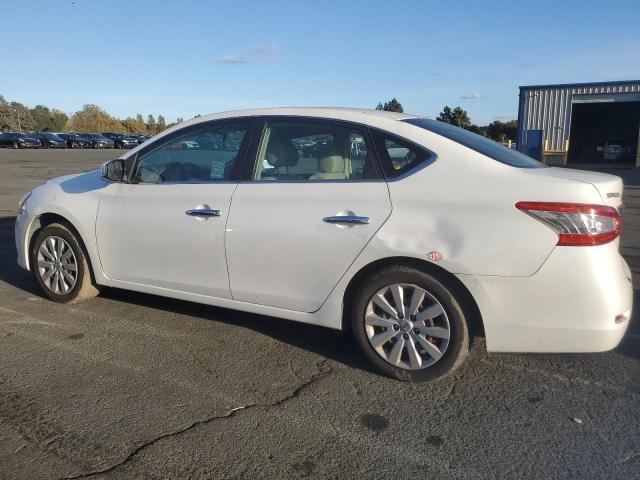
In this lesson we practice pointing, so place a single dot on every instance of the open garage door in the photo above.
(604, 133)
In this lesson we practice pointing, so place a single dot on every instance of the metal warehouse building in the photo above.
(581, 123)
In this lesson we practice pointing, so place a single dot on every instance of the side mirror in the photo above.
(113, 170)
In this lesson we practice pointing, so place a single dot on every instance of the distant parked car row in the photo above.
(70, 140)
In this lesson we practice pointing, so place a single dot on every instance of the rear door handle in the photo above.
(347, 219)
(203, 212)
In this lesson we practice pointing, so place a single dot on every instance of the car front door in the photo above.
(312, 202)
(165, 227)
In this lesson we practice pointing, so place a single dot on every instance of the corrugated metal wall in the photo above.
(548, 108)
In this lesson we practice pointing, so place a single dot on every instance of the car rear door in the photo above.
(312, 201)
(166, 227)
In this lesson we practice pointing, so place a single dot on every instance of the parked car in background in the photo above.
(75, 141)
(410, 233)
(141, 138)
(18, 140)
(121, 140)
(51, 140)
(98, 141)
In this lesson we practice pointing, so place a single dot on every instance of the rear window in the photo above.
(477, 142)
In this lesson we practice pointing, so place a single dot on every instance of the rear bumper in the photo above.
(569, 305)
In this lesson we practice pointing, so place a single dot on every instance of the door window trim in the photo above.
(131, 163)
(251, 164)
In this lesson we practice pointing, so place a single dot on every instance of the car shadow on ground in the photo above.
(322, 341)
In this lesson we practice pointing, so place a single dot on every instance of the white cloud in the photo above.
(475, 96)
(257, 53)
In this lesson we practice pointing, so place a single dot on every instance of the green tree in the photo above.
(21, 119)
(140, 125)
(57, 120)
(392, 105)
(41, 118)
(133, 126)
(456, 116)
(178, 120)
(15, 116)
(93, 119)
(45, 120)
(151, 125)
(502, 131)
(5, 114)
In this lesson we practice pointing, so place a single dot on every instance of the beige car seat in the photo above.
(331, 167)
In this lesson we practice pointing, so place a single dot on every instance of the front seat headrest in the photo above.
(281, 153)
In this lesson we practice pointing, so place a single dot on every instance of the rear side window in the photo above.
(302, 151)
(398, 156)
(477, 142)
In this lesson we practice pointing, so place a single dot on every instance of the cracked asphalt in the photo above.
(130, 385)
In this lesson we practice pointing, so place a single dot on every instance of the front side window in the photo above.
(315, 153)
(204, 155)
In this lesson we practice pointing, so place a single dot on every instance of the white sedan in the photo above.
(411, 233)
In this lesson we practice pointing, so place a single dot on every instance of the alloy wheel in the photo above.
(57, 265)
(407, 326)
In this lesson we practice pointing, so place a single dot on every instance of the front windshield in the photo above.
(477, 142)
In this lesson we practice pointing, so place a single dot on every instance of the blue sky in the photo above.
(182, 58)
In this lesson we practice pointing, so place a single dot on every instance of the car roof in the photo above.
(337, 113)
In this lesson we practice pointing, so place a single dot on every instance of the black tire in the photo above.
(16, 145)
(84, 288)
(458, 346)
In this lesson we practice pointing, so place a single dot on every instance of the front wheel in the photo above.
(15, 145)
(410, 324)
(60, 266)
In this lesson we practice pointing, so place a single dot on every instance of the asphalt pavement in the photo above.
(130, 385)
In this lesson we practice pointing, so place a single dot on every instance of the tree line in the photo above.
(16, 117)
(496, 130)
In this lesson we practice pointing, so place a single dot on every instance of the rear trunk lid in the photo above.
(609, 186)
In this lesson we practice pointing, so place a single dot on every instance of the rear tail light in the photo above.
(577, 224)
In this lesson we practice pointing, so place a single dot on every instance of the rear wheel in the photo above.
(60, 266)
(15, 145)
(410, 324)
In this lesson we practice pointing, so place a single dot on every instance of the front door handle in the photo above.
(347, 219)
(203, 212)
